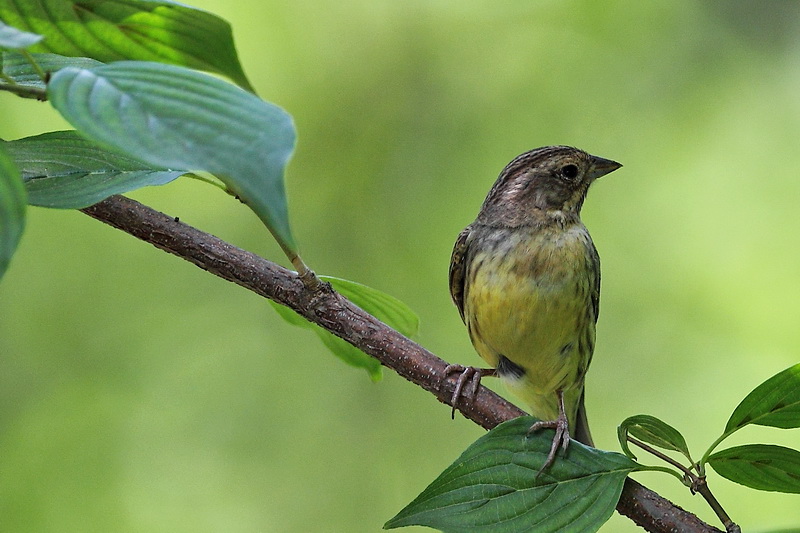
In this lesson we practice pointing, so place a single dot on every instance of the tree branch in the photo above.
(333, 312)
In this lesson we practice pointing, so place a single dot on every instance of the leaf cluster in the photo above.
(123, 73)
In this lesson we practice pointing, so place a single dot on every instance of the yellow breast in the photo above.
(527, 299)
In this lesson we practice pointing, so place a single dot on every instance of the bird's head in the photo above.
(548, 180)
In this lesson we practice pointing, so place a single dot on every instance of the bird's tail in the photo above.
(582, 433)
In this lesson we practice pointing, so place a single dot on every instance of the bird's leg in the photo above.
(561, 438)
(467, 374)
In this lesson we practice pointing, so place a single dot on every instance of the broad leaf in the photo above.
(12, 209)
(14, 38)
(19, 69)
(172, 117)
(494, 487)
(114, 30)
(384, 307)
(653, 431)
(776, 402)
(62, 169)
(760, 466)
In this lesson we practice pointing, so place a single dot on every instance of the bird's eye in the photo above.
(569, 171)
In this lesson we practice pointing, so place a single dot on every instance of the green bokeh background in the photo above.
(140, 394)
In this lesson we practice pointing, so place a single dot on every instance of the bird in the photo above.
(525, 277)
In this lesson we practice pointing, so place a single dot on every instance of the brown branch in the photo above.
(336, 314)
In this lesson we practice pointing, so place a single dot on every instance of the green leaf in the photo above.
(493, 487)
(385, 308)
(13, 38)
(12, 209)
(653, 431)
(382, 306)
(62, 169)
(172, 117)
(114, 30)
(19, 69)
(776, 403)
(340, 348)
(760, 466)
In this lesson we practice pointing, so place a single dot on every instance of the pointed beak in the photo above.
(601, 167)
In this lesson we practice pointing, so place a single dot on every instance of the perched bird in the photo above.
(525, 276)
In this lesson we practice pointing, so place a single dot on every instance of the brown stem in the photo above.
(701, 487)
(328, 309)
(666, 458)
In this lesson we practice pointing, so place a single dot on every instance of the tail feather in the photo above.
(582, 433)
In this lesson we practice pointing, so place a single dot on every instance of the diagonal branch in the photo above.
(333, 312)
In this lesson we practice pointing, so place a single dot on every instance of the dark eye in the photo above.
(569, 171)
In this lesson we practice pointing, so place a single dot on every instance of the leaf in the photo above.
(340, 348)
(382, 306)
(653, 431)
(62, 169)
(172, 117)
(12, 209)
(18, 68)
(776, 403)
(493, 487)
(13, 38)
(114, 30)
(760, 466)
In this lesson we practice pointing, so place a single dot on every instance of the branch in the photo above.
(333, 312)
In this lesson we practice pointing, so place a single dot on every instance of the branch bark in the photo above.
(333, 312)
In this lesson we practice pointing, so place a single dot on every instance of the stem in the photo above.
(25, 91)
(210, 181)
(703, 460)
(699, 484)
(667, 459)
(701, 487)
(336, 314)
(39, 72)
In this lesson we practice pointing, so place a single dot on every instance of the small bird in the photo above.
(525, 276)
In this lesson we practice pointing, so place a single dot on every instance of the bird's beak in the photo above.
(601, 167)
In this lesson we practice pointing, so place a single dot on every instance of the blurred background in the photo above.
(140, 394)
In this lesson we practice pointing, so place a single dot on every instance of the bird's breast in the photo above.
(527, 295)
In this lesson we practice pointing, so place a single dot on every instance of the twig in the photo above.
(25, 91)
(333, 312)
(697, 484)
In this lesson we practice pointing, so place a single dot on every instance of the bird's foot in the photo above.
(469, 377)
(560, 440)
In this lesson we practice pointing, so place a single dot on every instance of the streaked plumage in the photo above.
(525, 277)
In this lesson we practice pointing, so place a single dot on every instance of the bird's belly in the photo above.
(538, 322)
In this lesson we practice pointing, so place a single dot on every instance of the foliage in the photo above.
(141, 123)
(496, 485)
(104, 94)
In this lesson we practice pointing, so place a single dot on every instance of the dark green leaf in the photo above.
(385, 308)
(493, 487)
(776, 402)
(62, 169)
(14, 38)
(114, 30)
(172, 117)
(12, 209)
(653, 431)
(760, 466)
(18, 68)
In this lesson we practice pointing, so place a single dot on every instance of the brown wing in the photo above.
(595, 259)
(458, 269)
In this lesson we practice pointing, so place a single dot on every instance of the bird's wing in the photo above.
(595, 258)
(458, 268)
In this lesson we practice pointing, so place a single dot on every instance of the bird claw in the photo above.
(560, 439)
(469, 374)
